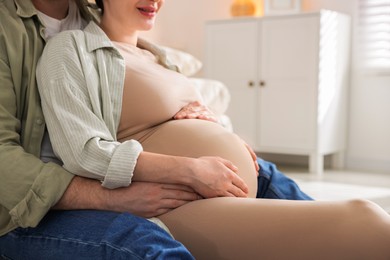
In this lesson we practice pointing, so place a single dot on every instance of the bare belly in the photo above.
(195, 138)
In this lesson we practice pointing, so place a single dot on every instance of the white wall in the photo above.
(180, 25)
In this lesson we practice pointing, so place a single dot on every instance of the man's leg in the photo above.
(272, 184)
(89, 234)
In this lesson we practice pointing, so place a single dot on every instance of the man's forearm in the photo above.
(144, 199)
(83, 193)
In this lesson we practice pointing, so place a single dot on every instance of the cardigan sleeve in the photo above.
(78, 129)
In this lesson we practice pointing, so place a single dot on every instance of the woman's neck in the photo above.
(57, 9)
(117, 32)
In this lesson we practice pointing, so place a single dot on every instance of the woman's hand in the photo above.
(254, 157)
(216, 177)
(195, 110)
(208, 176)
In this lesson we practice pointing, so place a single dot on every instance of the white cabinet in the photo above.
(288, 78)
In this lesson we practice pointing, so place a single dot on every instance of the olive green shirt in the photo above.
(28, 187)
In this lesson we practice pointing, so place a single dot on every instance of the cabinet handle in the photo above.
(251, 83)
(262, 83)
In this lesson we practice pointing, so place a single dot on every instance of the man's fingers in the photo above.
(170, 204)
(177, 194)
(177, 187)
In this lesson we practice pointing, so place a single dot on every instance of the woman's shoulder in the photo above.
(65, 38)
(74, 35)
(90, 38)
(63, 47)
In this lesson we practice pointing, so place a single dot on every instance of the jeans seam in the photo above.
(268, 175)
(123, 250)
(4, 257)
(89, 243)
(277, 194)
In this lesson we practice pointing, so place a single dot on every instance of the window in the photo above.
(374, 35)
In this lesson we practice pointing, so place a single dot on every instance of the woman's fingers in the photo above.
(254, 157)
(217, 177)
(239, 187)
(195, 110)
(229, 164)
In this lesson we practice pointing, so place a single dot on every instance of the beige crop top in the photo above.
(152, 94)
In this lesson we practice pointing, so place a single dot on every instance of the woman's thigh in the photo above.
(241, 228)
(196, 138)
(88, 234)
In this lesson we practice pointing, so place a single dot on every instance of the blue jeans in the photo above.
(272, 184)
(89, 234)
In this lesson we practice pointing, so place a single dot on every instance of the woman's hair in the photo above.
(100, 4)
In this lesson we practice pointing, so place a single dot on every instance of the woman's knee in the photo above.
(369, 218)
(365, 208)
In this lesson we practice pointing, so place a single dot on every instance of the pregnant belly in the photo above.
(195, 138)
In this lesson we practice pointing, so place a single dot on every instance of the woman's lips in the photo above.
(147, 11)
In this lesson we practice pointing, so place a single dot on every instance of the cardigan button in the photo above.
(39, 121)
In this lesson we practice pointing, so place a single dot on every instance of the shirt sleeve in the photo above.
(76, 115)
(28, 187)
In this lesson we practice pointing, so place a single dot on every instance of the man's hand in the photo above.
(148, 199)
(140, 198)
(195, 110)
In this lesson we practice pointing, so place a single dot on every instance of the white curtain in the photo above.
(374, 35)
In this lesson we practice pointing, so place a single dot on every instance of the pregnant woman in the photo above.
(152, 95)
(110, 101)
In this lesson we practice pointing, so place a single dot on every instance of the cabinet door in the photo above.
(288, 68)
(232, 51)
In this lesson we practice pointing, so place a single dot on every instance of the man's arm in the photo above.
(28, 187)
(160, 183)
(140, 198)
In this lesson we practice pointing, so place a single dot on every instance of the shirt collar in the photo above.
(96, 39)
(72, 21)
(25, 8)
